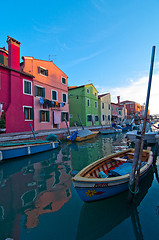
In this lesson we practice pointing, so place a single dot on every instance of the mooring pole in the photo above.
(133, 185)
(32, 131)
(81, 122)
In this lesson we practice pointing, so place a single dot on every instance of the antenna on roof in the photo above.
(51, 57)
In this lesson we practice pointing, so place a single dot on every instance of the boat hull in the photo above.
(148, 137)
(20, 151)
(80, 139)
(93, 189)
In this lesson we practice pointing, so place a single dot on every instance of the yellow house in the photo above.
(104, 107)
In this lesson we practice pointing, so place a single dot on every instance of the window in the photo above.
(112, 108)
(95, 104)
(54, 95)
(28, 113)
(103, 117)
(108, 117)
(39, 91)
(95, 94)
(64, 97)
(89, 118)
(63, 80)
(102, 105)
(64, 116)
(96, 118)
(131, 106)
(44, 116)
(88, 103)
(88, 90)
(43, 71)
(119, 112)
(27, 87)
(109, 106)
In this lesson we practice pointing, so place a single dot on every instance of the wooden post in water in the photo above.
(67, 126)
(81, 122)
(140, 141)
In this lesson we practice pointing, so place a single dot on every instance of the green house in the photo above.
(83, 104)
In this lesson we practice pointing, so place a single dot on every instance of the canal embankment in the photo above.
(60, 133)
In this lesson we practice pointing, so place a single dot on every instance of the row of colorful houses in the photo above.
(36, 93)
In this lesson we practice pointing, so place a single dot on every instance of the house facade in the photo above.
(16, 95)
(104, 108)
(83, 104)
(50, 89)
(133, 108)
(119, 111)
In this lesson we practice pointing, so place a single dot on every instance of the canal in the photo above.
(38, 200)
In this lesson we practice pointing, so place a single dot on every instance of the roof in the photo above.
(21, 72)
(74, 87)
(50, 61)
(102, 95)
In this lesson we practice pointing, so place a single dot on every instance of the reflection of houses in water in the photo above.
(39, 188)
(100, 217)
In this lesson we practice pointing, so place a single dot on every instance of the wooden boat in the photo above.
(82, 135)
(109, 175)
(16, 149)
(149, 137)
(107, 131)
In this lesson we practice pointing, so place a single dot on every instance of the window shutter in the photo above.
(35, 89)
(38, 69)
(40, 115)
(43, 92)
(62, 116)
(47, 116)
(67, 116)
(32, 114)
(46, 72)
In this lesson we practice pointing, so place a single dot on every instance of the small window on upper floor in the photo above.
(43, 71)
(88, 90)
(39, 91)
(27, 87)
(95, 94)
(102, 105)
(63, 80)
(64, 97)
(54, 95)
(95, 104)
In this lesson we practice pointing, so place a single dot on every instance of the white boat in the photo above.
(149, 137)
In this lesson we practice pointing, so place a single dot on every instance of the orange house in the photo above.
(50, 93)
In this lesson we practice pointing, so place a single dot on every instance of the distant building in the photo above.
(118, 111)
(50, 90)
(104, 108)
(16, 93)
(83, 104)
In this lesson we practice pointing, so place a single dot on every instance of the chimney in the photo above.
(118, 97)
(13, 53)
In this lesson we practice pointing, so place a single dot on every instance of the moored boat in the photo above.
(16, 149)
(149, 137)
(109, 175)
(82, 135)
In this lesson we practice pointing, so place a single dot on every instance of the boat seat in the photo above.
(132, 154)
(119, 159)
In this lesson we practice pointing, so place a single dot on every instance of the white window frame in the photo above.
(62, 97)
(45, 115)
(41, 73)
(65, 80)
(29, 114)
(39, 87)
(29, 94)
(88, 90)
(96, 104)
(56, 95)
(102, 105)
(95, 94)
(88, 101)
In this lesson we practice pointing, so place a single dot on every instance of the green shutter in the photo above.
(62, 116)
(2, 59)
(46, 72)
(35, 91)
(41, 115)
(32, 114)
(47, 116)
(38, 69)
(43, 92)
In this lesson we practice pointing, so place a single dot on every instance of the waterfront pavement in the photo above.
(61, 133)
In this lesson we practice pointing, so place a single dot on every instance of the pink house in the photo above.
(16, 95)
(50, 93)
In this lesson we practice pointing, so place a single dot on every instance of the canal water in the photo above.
(38, 200)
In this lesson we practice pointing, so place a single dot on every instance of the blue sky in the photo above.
(104, 42)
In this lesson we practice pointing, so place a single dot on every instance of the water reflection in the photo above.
(99, 218)
(33, 186)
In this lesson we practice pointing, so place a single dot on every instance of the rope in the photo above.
(133, 192)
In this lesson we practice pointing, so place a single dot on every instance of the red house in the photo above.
(16, 94)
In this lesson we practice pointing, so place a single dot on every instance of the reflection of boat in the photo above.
(82, 135)
(16, 149)
(97, 219)
(109, 175)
